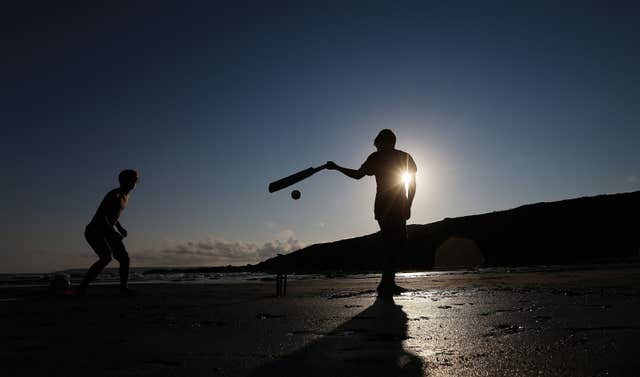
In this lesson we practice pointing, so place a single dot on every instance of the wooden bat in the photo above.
(294, 178)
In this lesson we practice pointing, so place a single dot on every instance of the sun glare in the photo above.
(406, 179)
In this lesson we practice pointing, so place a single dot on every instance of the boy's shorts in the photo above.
(106, 245)
(393, 231)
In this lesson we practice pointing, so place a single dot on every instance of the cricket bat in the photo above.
(294, 178)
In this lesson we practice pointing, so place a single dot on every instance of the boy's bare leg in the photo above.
(93, 272)
(100, 246)
(120, 254)
(394, 237)
(124, 273)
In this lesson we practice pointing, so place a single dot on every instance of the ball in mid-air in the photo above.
(295, 194)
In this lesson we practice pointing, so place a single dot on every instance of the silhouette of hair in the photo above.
(385, 137)
(128, 176)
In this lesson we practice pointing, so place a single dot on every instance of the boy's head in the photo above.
(128, 179)
(386, 139)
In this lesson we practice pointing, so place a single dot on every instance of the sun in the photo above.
(406, 179)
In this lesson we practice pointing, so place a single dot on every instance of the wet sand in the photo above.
(562, 323)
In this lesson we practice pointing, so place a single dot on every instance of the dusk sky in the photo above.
(499, 104)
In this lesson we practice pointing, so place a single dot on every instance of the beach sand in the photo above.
(554, 323)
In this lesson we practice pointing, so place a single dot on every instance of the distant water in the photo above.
(138, 275)
(110, 276)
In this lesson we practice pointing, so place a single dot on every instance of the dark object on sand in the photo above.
(294, 178)
(60, 285)
(281, 284)
(295, 194)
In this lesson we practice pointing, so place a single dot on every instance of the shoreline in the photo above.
(173, 276)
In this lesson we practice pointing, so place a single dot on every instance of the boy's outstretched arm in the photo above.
(121, 230)
(351, 173)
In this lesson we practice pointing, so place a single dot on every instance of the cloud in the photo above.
(216, 251)
(285, 234)
(632, 178)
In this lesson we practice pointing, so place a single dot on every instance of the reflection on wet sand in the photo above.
(370, 344)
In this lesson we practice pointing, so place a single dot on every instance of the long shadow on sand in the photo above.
(370, 344)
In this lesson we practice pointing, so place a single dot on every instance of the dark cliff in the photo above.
(567, 231)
